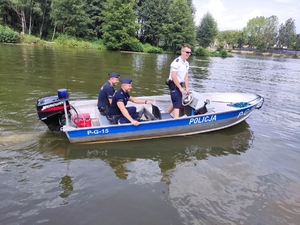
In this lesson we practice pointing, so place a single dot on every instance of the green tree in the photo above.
(207, 31)
(152, 15)
(45, 21)
(119, 26)
(229, 37)
(39, 17)
(255, 31)
(297, 44)
(19, 7)
(287, 33)
(94, 10)
(69, 17)
(179, 28)
(271, 30)
(37, 12)
(23, 15)
(4, 12)
(192, 7)
(243, 38)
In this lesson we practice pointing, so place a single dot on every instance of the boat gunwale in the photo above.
(167, 119)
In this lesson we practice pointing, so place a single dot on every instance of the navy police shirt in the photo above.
(120, 96)
(107, 91)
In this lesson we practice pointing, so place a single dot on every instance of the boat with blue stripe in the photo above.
(81, 121)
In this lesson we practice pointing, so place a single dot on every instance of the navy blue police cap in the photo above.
(126, 81)
(113, 74)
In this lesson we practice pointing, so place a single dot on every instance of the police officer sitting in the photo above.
(118, 110)
(106, 93)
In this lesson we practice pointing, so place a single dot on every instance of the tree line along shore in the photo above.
(151, 26)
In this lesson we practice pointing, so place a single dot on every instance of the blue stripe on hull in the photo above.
(162, 127)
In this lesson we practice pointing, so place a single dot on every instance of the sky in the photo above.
(234, 14)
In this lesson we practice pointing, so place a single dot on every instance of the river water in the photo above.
(247, 174)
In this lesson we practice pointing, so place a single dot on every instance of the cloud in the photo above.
(225, 19)
(286, 1)
(215, 7)
(234, 15)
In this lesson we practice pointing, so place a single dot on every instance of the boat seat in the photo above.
(158, 115)
(103, 120)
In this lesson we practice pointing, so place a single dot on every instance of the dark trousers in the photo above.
(104, 110)
(176, 97)
(132, 112)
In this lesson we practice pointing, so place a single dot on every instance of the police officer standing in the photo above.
(178, 79)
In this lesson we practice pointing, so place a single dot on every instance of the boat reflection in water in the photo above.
(147, 161)
(162, 155)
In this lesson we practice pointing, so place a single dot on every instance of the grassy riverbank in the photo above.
(9, 36)
(98, 44)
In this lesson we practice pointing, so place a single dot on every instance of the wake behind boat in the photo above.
(201, 112)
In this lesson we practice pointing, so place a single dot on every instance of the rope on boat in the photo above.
(243, 104)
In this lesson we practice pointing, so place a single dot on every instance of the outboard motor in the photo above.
(50, 110)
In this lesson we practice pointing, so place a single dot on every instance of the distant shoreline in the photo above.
(264, 53)
(249, 52)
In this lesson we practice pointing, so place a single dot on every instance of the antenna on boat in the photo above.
(67, 79)
(63, 96)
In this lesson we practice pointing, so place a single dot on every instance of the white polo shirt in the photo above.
(181, 67)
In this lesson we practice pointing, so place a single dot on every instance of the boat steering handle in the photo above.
(262, 102)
